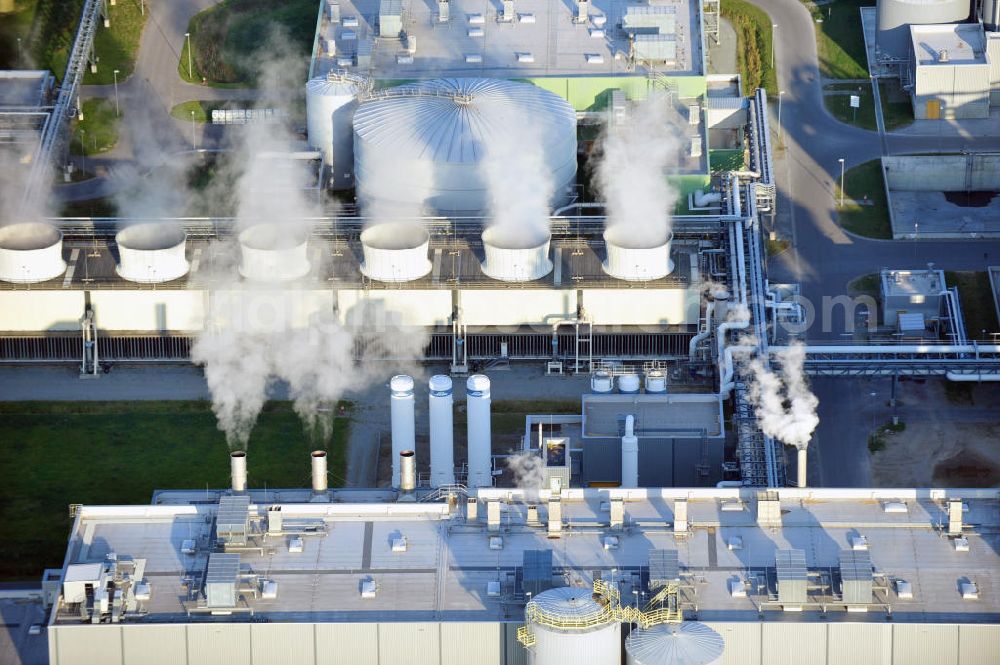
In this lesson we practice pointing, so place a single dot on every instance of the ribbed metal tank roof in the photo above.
(451, 120)
(687, 643)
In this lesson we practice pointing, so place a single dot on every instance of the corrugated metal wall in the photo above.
(487, 643)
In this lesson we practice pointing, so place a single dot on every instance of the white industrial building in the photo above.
(825, 577)
(950, 72)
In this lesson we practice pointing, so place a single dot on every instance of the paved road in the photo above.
(824, 257)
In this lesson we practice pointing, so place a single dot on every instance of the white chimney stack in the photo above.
(479, 435)
(319, 482)
(402, 415)
(408, 471)
(802, 467)
(238, 470)
(442, 431)
(630, 454)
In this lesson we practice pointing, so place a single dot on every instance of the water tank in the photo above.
(635, 261)
(512, 257)
(570, 627)
(687, 643)
(330, 104)
(628, 383)
(395, 252)
(656, 382)
(401, 415)
(479, 435)
(601, 382)
(30, 252)
(442, 431)
(274, 252)
(151, 253)
(894, 18)
(420, 146)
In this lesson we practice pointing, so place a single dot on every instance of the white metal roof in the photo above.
(948, 45)
(448, 564)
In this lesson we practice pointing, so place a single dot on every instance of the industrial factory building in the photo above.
(946, 53)
(550, 576)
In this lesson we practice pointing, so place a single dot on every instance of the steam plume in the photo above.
(520, 187)
(786, 408)
(638, 153)
(527, 470)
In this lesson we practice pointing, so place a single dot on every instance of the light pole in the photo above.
(781, 93)
(841, 160)
(83, 148)
(20, 61)
(117, 109)
(187, 35)
(774, 34)
(194, 145)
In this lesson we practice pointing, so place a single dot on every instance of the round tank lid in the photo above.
(565, 604)
(269, 236)
(333, 85)
(622, 236)
(478, 382)
(401, 383)
(150, 236)
(26, 236)
(687, 643)
(516, 238)
(394, 235)
(439, 382)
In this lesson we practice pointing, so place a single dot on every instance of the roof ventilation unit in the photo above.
(636, 261)
(30, 252)
(686, 643)
(536, 571)
(511, 258)
(395, 252)
(792, 577)
(151, 253)
(856, 577)
(221, 580)
(232, 521)
(274, 252)
(664, 568)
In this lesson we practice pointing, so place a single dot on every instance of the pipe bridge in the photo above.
(967, 362)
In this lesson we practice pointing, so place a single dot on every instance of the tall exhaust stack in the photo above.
(802, 468)
(630, 454)
(408, 471)
(238, 470)
(442, 431)
(319, 471)
(402, 416)
(479, 435)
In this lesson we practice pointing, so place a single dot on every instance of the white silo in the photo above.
(515, 258)
(330, 104)
(238, 470)
(151, 253)
(601, 382)
(656, 382)
(628, 384)
(630, 454)
(421, 146)
(401, 413)
(634, 261)
(274, 252)
(477, 394)
(395, 252)
(30, 252)
(686, 643)
(571, 627)
(894, 18)
(442, 431)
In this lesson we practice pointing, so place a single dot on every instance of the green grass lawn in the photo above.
(864, 180)
(98, 131)
(46, 29)
(755, 41)
(840, 41)
(60, 453)
(116, 47)
(726, 160)
(897, 110)
(102, 207)
(203, 109)
(839, 104)
(229, 39)
(16, 25)
(977, 303)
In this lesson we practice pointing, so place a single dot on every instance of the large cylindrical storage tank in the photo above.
(512, 258)
(402, 415)
(395, 252)
(442, 431)
(635, 261)
(656, 382)
(420, 146)
(687, 643)
(274, 253)
(554, 617)
(30, 252)
(602, 382)
(330, 104)
(894, 18)
(628, 384)
(479, 435)
(151, 253)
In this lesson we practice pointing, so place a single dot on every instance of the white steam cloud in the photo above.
(520, 187)
(528, 471)
(637, 155)
(785, 406)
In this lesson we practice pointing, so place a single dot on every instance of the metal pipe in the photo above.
(319, 482)
(238, 470)
(927, 349)
(802, 468)
(442, 431)
(407, 471)
(696, 340)
(479, 436)
(977, 377)
(630, 454)
(401, 410)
